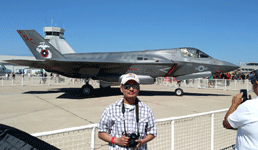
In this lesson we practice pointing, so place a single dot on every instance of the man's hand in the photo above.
(122, 141)
(139, 143)
(237, 100)
(147, 138)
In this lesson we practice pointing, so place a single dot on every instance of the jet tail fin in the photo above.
(40, 48)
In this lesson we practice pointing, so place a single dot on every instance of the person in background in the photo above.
(244, 118)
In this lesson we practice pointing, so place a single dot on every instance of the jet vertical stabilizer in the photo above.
(40, 48)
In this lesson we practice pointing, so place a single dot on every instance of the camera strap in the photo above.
(137, 114)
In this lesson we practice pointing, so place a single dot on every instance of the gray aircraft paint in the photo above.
(108, 67)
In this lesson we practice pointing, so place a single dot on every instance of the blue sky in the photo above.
(224, 29)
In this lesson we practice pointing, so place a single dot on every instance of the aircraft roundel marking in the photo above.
(201, 68)
(44, 53)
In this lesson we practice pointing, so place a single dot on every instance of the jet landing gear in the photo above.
(179, 92)
(86, 90)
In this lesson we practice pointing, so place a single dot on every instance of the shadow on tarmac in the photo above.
(74, 93)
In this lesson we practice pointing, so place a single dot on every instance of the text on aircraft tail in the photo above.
(40, 48)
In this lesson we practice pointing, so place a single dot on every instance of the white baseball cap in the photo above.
(129, 76)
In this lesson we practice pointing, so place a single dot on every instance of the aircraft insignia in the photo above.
(201, 68)
(42, 49)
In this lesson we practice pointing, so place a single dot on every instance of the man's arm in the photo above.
(147, 138)
(122, 141)
(236, 101)
(151, 130)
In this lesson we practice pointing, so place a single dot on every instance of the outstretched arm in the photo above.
(236, 101)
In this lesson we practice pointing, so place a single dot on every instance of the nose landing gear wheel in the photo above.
(179, 92)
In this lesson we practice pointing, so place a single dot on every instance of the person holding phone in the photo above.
(243, 116)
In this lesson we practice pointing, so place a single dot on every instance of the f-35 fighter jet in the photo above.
(182, 63)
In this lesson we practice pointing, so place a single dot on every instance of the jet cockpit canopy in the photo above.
(193, 52)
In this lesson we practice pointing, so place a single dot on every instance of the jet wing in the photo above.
(86, 64)
(73, 68)
(70, 63)
(31, 63)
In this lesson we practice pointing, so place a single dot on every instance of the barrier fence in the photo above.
(39, 81)
(195, 132)
(222, 84)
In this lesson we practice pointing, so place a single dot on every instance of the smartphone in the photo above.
(244, 91)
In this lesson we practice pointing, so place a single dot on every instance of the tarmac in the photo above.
(35, 109)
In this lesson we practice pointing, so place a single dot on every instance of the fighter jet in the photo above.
(182, 63)
(4, 70)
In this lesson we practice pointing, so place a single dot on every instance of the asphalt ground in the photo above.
(35, 109)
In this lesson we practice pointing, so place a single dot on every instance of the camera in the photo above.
(132, 139)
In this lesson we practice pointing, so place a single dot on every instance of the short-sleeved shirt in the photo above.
(245, 118)
(112, 122)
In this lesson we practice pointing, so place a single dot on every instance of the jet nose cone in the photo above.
(229, 67)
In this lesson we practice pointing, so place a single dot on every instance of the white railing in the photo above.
(71, 138)
(195, 132)
(39, 81)
(222, 84)
(192, 83)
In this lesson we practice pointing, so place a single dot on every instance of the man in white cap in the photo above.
(128, 123)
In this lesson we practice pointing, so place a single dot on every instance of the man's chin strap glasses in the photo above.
(128, 86)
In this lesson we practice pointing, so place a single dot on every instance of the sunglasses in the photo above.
(128, 86)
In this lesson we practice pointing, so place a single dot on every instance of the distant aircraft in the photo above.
(3, 70)
(182, 63)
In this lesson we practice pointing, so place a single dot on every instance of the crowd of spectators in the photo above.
(237, 75)
(233, 76)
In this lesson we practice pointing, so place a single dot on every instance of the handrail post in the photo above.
(172, 135)
(225, 84)
(22, 81)
(48, 78)
(235, 81)
(212, 131)
(93, 138)
(247, 82)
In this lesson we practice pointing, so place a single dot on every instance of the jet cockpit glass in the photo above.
(195, 53)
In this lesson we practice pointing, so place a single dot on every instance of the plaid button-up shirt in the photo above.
(112, 122)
